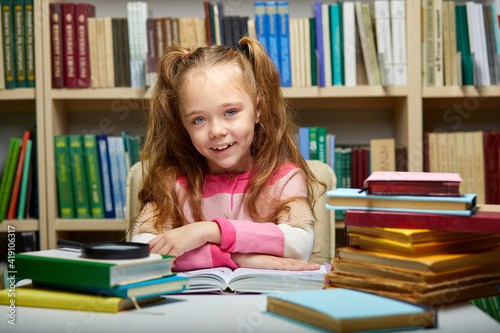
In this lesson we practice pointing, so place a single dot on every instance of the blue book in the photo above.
(351, 198)
(155, 287)
(260, 30)
(271, 26)
(104, 164)
(331, 150)
(318, 16)
(284, 42)
(347, 310)
(304, 142)
(115, 178)
(122, 169)
(336, 45)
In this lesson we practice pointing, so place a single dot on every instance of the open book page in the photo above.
(253, 280)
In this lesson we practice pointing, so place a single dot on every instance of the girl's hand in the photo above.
(180, 240)
(253, 260)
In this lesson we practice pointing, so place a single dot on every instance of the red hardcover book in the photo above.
(413, 183)
(56, 47)
(16, 186)
(496, 193)
(481, 221)
(69, 45)
(206, 7)
(82, 12)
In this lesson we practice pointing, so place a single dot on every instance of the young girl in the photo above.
(225, 184)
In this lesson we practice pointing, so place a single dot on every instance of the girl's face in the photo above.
(220, 119)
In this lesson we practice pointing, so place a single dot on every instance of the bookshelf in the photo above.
(20, 110)
(357, 113)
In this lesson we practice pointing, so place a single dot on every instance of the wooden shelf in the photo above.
(90, 225)
(19, 225)
(460, 92)
(17, 94)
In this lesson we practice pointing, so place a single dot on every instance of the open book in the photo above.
(252, 280)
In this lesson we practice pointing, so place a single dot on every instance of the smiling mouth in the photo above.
(222, 147)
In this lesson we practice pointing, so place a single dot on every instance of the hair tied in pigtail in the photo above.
(187, 55)
(242, 48)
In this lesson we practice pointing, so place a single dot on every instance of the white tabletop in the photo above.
(209, 313)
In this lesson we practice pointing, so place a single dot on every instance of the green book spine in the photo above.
(58, 270)
(135, 149)
(6, 167)
(24, 182)
(19, 44)
(314, 59)
(94, 175)
(9, 173)
(63, 175)
(313, 143)
(29, 35)
(322, 144)
(79, 176)
(8, 44)
(339, 171)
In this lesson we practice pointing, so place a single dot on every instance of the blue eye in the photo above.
(230, 113)
(199, 120)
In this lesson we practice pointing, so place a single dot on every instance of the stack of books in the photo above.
(62, 279)
(414, 237)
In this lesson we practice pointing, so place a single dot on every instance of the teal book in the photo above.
(79, 176)
(29, 36)
(321, 135)
(8, 176)
(336, 44)
(154, 287)
(23, 193)
(93, 171)
(313, 143)
(345, 310)
(351, 198)
(314, 59)
(64, 178)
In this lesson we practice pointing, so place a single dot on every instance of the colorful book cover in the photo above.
(104, 163)
(8, 43)
(16, 186)
(24, 182)
(64, 177)
(79, 176)
(260, 30)
(91, 159)
(284, 33)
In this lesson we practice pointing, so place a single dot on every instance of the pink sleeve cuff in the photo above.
(206, 256)
(251, 237)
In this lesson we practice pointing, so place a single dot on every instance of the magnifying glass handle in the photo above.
(68, 243)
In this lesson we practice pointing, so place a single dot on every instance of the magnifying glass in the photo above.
(108, 250)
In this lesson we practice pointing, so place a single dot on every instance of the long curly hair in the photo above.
(168, 152)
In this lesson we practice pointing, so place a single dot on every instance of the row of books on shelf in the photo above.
(474, 155)
(428, 249)
(19, 184)
(91, 173)
(17, 49)
(460, 43)
(338, 50)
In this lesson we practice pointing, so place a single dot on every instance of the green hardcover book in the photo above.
(135, 149)
(91, 157)
(313, 143)
(63, 176)
(63, 266)
(8, 176)
(79, 176)
(322, 144)
(463, 36)
(19, 44)
(24, 182)
(314, 59)
(29, 35)
(8, 43)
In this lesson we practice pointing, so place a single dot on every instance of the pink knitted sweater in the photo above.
(223, 200)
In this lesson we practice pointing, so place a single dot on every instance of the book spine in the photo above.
(117, 52)
(69, 45)
(384, 42)
(109, 58)
(322, 144)
(8, 44)
(437, 16)
(284, 42)
(122, 170)
(363, 37)
(260, 31)
(152, 53)
(398, 25)
(79, 176)
(63, 176)
(313, 143)
(91, 157)
(312, 48)
(115, 177)
(101, 53)
(29, 24)
(82, 13)
(336, 44)
(93, 52)
(318, 18)
(19, 44)
(304, 142)
(24, 182)
(102, 146)
(272, 24)
(8, 176)
(16, 186)
(372, 52)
